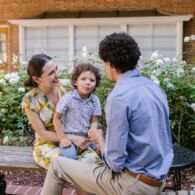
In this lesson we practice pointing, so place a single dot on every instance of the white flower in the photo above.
(186, 39)
(183, 63)
(155, 80)
(166, 80)
(85, 52)
(14, 58)
(5, 139)
(24, 63)
(193, 69)
(193, 106)
(192, 37)
(65, 82)
(159, 62)
(153, 72)
(180, 72)
(7, 76)
(167, 60)
(2, 81)
(84, 55)
(14, 78)
(170, 86)
(70, 70)
(154, 55)
(174, 60)
(3, 110)
(14, 74)
(84, 49)
(21, 89)
(13, 81)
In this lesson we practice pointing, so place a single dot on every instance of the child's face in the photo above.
(86, 83)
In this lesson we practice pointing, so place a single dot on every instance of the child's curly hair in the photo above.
(84, 67)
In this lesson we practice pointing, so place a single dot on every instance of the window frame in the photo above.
(5, 30)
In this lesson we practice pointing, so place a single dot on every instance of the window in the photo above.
(3, 47)
(52, 41)
(63, 38)
(152, 37)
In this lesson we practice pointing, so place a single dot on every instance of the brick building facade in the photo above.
(25, 9)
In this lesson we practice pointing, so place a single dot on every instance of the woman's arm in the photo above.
(39, 127)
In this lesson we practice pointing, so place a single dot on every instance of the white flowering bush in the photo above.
(12, 123)
(177, 78)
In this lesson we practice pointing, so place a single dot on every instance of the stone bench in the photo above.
(16, 158)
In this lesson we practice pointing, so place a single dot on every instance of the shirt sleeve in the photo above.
(97, 107)
(115, 153)
(62, 104)
(29, 102)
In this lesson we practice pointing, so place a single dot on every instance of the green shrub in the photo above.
(178, 81)
(12, 122)
(175, 76)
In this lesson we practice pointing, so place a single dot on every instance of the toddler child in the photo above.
(78, 111)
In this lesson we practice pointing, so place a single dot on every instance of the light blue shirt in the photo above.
(138, 134)
(77, 112)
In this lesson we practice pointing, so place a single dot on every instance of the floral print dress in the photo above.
(44, 151)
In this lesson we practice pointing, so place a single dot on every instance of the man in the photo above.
(138, 149)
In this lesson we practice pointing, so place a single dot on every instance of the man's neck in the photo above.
(117, 76)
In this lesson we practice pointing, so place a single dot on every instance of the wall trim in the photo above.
(101, 21)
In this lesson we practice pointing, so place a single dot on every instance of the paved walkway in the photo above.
(32, 190)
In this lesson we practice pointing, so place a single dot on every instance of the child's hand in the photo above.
(95, 135)
(83, 146)
(64, 142)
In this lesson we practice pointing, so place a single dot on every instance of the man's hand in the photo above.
(64, 142)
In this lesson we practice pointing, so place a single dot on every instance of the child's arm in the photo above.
(64, 141)
(94, 122)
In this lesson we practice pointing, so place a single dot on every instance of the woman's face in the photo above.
(50, 75)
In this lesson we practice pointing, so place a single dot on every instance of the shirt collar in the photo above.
(130, 73)
(76, 94)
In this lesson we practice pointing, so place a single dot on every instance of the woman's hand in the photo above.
(64, 142)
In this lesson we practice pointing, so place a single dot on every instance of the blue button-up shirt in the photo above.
(77, 112)
(138, 134)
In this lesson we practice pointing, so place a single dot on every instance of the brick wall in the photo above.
(20, 9)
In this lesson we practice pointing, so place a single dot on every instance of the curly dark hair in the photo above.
(121, 50)
(35, 67)
(83, 68)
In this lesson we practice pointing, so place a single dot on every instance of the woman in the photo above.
(39, 106)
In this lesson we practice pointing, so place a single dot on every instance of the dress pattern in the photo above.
(38, 102)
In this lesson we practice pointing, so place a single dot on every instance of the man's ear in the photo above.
(36, 79)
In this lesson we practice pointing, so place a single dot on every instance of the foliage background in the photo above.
(175, 76)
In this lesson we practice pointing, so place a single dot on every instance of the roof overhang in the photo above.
(101, 21)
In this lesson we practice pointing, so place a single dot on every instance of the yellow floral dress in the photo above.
(38, 102)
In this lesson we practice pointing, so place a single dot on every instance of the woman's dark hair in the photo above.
(84, 68)
(121, 50)
(35, 67)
